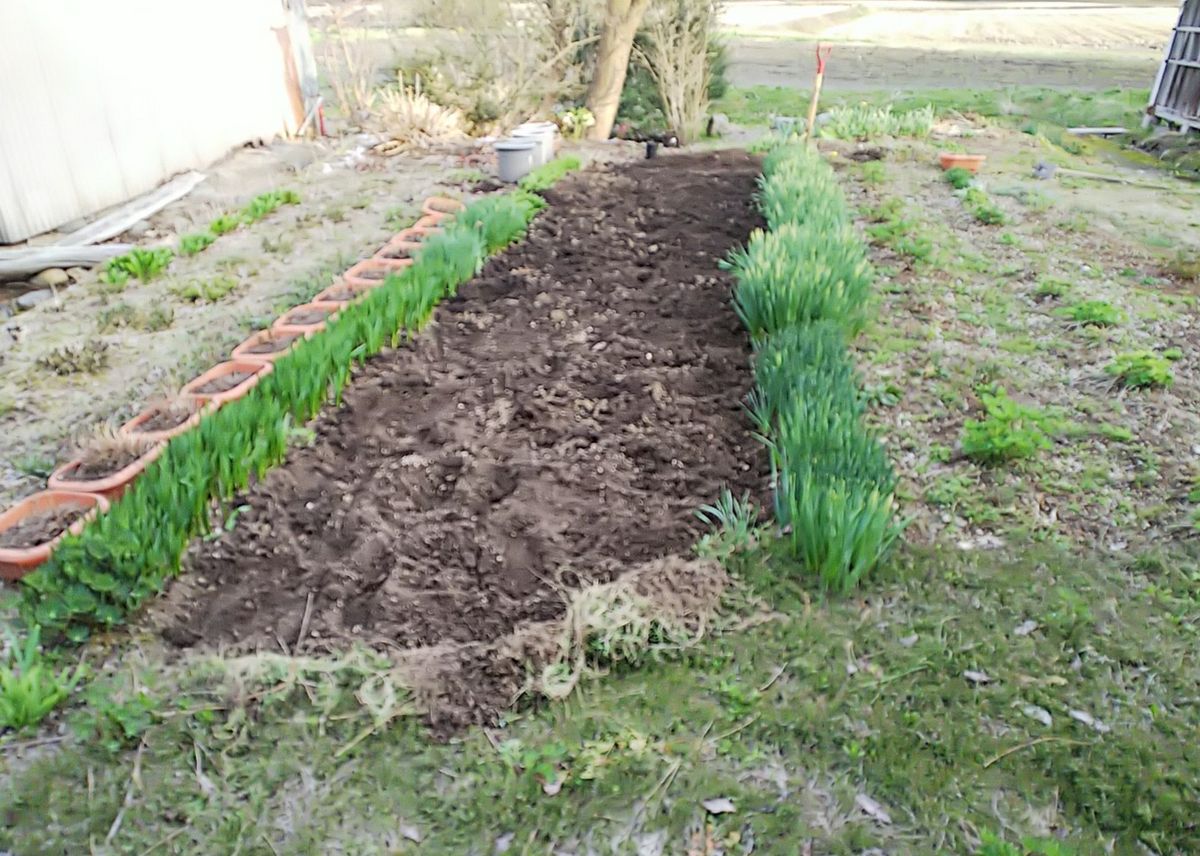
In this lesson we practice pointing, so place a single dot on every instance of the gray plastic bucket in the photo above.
(516, 157)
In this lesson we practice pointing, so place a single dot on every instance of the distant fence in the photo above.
(1176, 94)
(102, 100)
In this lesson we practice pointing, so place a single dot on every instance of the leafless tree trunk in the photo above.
(621, 21)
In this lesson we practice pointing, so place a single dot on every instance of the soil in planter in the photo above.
(560, 423)
(224, 383)
(342, 294)
(164, 419)
(398, 253)
(374, 274)
(101, 463)
(40, 528)
(273, 344)
(307, 317)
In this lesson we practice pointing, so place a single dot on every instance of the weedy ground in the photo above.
(1024, 668)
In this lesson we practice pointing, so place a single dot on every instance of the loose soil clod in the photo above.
(557, 426)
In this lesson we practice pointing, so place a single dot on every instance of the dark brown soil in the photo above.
(559, 423)
(306, 317)
(165, 418)
(101, 463)
(224, 383)
(273, 344)
(39, 528)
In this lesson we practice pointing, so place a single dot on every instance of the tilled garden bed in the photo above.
(558, 424)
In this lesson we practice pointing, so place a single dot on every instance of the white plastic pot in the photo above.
(516, 157)
(546, 133)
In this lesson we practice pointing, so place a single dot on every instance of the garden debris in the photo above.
(873, 809)
(1089, 720)
(720, 805)
(976, 677)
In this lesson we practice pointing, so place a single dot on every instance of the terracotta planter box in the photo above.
(441, 205)
(371, 273)
(258, 348)
(404, 247)
(306, 319)
(950, 160)
(340, 293)
(135, 426)
(226, 375)
(434, 222)
(16, 562)
(110, 486)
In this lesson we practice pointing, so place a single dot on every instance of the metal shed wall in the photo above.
(1176, 94)
(101, 101)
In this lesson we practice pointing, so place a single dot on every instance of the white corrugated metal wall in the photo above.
(101, 101)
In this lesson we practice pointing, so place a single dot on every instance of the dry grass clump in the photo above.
(410, 117)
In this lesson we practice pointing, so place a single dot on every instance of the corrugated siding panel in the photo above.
(101, 101)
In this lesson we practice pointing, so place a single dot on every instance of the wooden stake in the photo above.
(822, 56)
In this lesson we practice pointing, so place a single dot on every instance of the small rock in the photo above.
(720, 805)
(51, 278)
(30, 299)
(138, 229)
(976, 677)
(719, 125)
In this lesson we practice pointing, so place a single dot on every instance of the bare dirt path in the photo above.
(559, 424)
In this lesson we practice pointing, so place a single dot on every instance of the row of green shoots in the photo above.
(803, 290)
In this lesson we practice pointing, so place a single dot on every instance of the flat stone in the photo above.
(138, 229)
(50, 278)
(30, 299)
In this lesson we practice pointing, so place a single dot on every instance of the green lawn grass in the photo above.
(969, 692)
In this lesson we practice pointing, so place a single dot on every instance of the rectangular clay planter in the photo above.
(16, 562)
(111, 486)
(434, 221)
(257, 371)
(341, 293)
(130, 428)
(360, 276)
(442, 205)
(284, 325)
(244, 350)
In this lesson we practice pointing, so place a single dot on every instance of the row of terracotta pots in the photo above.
(228, 381)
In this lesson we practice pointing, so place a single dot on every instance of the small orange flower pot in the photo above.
(371, 273)
(435, 205)
(136, 427)
(110, 486)
(971, 163)
(306, 318)
(226, 382)
(266, 346)
(19, 559)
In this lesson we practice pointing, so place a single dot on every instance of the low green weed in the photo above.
(1010, 431)
(205, 290)
(137, 264)
(1052, 288)
(958, 177)
(29, 688)
(982, 208)
(1093, 313)
(873, 172)
(190, 245)
(224, 224)
(266, 203)
(1141, 369)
